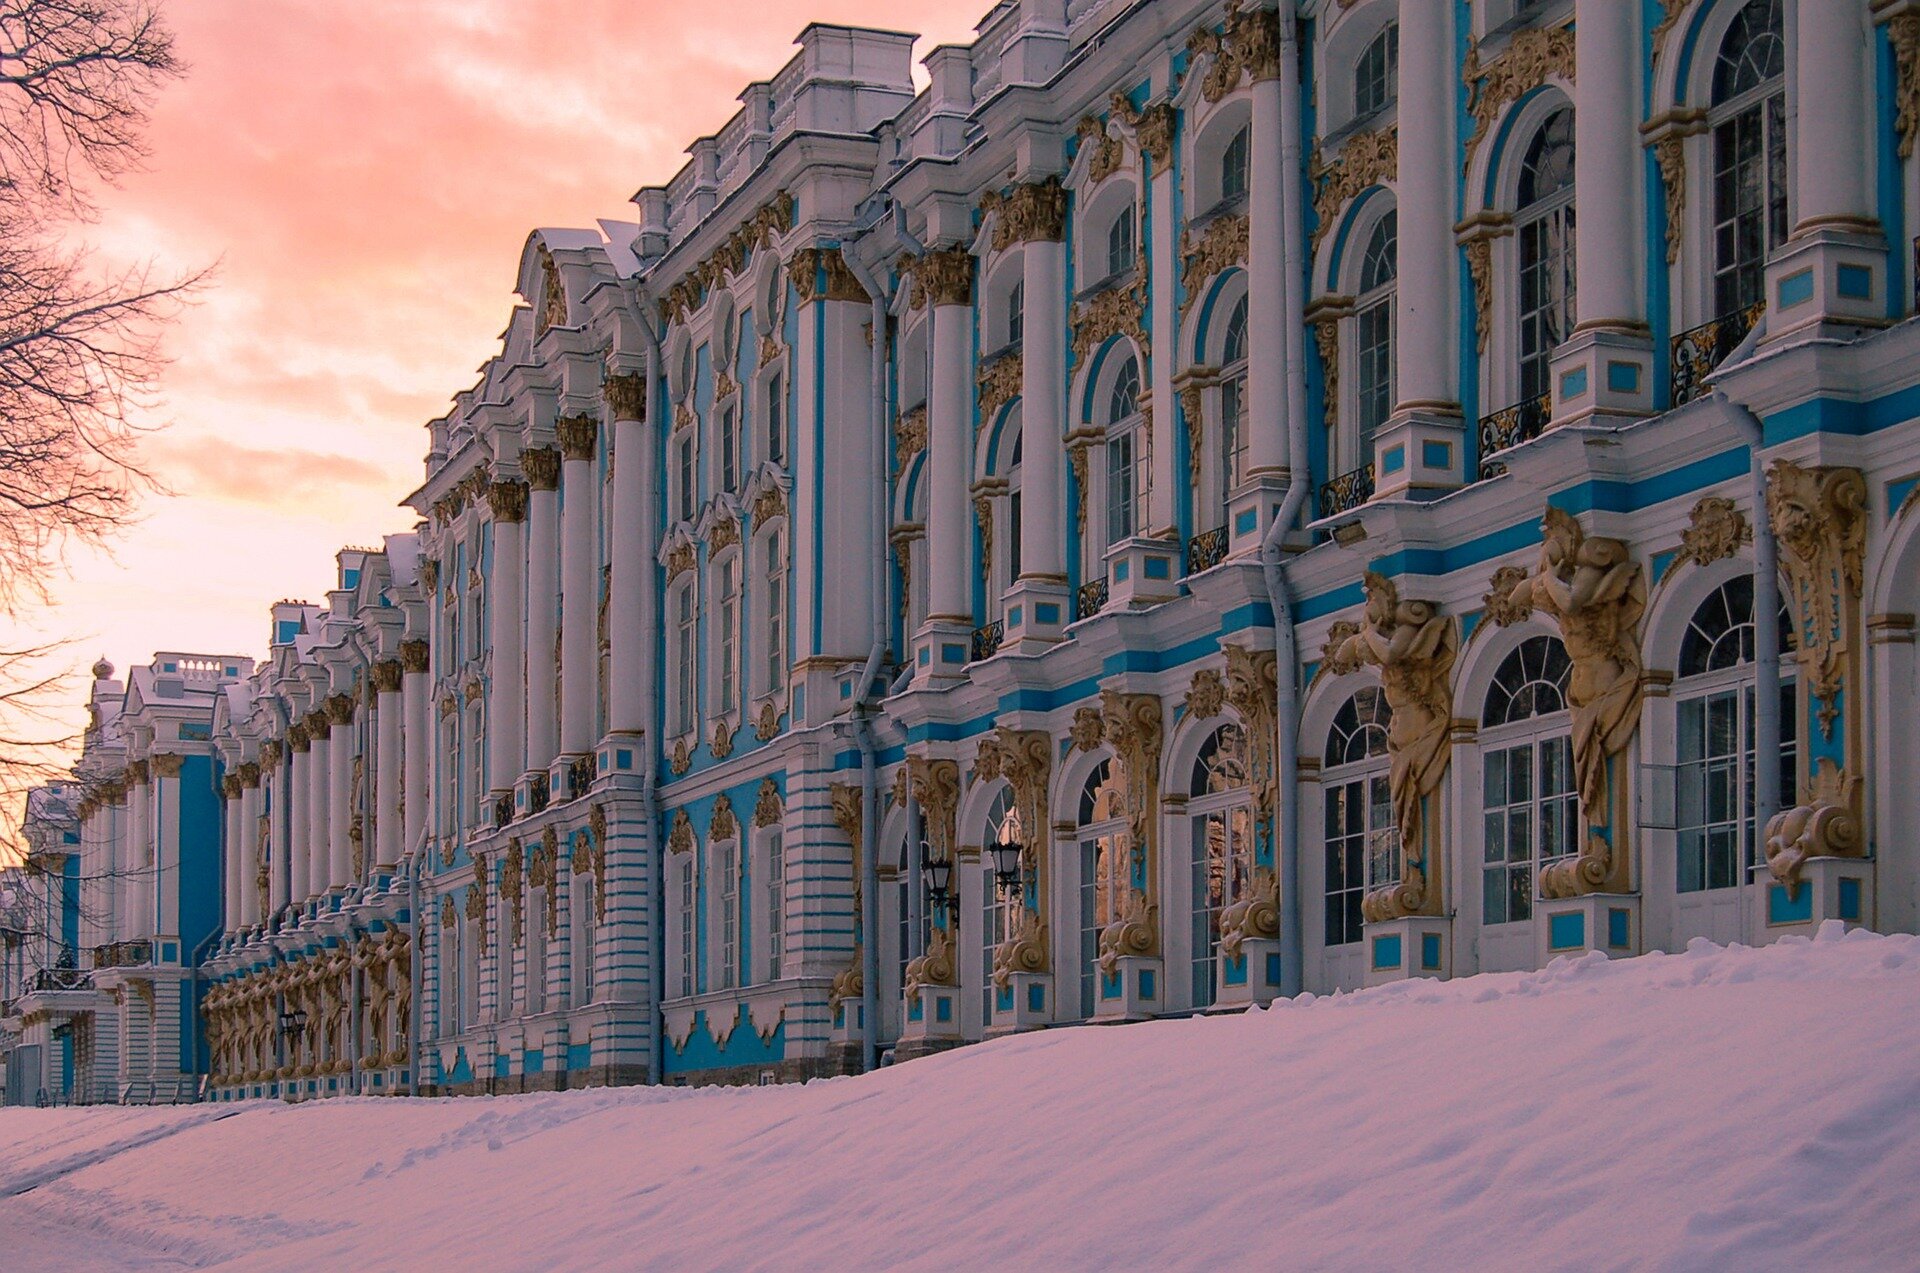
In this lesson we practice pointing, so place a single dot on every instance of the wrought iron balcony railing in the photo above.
(536, 794)
(1694, 354)
(1092, 598)
(123, 954)
(986, 641)
(1509, 427)
(62, 979)
(582, 774)
(1206, 550)
(1349, 490)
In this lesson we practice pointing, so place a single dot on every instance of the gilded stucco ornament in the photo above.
(1252, 683)
(822, 274)
(1479, 251)
(1087, 731)
(578, 435)
(767, 808)
(1248, 44)
(1035, 212)
(597, 830)
(1413, 646)
(766, 725)
(1131, 724)
(1903, 33)
(1118, 311)
(1025, 759)
(724, 533)
(449, 915)
(626, 396)
(1256, 915)
(847, 816)
(773, 218)
(680, 559)
(999, 383)
(1819, 517)
(680, 835)
(1105, 152)
(942, 276)
(767, 505)
(1503, 603)
(681, 758)
(1206, 694)
(1715, 531)
(513, 889)
(1534, 55)
(1326, 338)
(723, 825)
(553, 297)
(542, 873)
(936, 966)
(166, 764)
(909, 436)
(507, 501)
(1365, 159)
(1152, 127)
(1826, 823)
(1220, 246)
(477, 898)
(1595, 592)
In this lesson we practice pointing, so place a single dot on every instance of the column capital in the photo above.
(542, 467)
(508, 500)
(809, 265)
(626, 396)
(249, 773)
(340, 709)
(387, 674)
(943, 276)
(166, 764)
(1035, 212)
(297, 737)
(136, 773)
(415, 655)
(317, 725)
(271, 753)
(577, 434)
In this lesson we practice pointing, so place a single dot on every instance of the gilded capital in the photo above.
(1031, 213)
(415, 655)
(577, 434)
(822, 274)
(271, 753)
(340, 709)
(626, 396)
(297, 736)
(318, 724)
(387, 674)
(508, 500)
(943, 277)
(136, 773)
(249, 773)
(542, 467)
(166, 764)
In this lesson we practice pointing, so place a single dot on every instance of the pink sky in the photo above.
(365, 174)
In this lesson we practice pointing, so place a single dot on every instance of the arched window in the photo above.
(1107, 870)
(777, 418)
(1713, 706)
(1376, 78)
(1233, 404)
(685, 627)
(581, 931)
(1013, 502)
(1126, 454)
(1120, 243)
(726, 636)
(999, 907)
(773, 671)
(1220, 809)
(684, 917)
(686, 492)
(1544, 227)
(1362, 845)
(1373, 326)
(1749, 123)
(725, 889)
(1528, 796)
(729, 429)
(1233, 167)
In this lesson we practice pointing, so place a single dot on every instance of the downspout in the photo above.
(1766, 627)
(1272, 554)
(414, 972)
(863, 709)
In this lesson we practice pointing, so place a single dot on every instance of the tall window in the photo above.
(1545, 231)
(1376, 79)
(776, 886)
(728, 867)
(450, 1002)
(1362, 844)
(1221, 868)
(729, 448)
(1106, 871)
(1527, 789)
(684, 629)
(581, 927)
(1233, 403)
(1017, 313)
(1126, 455)
(727, 619)
(1013, 506)
(470, 953)
(999, 908)
(536, 943)
(776, 635)
(686, 917)
(683, 480)
(1120, 243)
(1233, 167)
(1373, 325)
(777, 418)
(1749, 121)
(1714, 705)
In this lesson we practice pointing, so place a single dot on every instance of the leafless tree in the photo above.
(79, 351)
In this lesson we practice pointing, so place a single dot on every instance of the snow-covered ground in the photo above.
(1717, 1109)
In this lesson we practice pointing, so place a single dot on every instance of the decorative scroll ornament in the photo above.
(1414, 646)
(1715, 531)
(1593, 589)
(767, 505)
(597, 827)
(1671, 153)
(1023, 951)
(1826, 823)
(1819, 516)
(1252, 682)
(1504, 603)
(1118, 311)
(1534, 55)
(1152, 127)
(1031, 213)
(1326, 338)
(721, 744)
(553, 297)
(512, 889)
(822, 274)
(680, 835)
(1105, 153)
(542, 467)
(1479, 251)
(943, 276)
(626, 396)
(1206, 694)
(999, 383)
(847, 815)
(767, 808)
(1221, 246)
(936, 967)
(909, 436)
(540, 874)
(766, 726)
(1247, 45)
(1256, 915)
(477, 899)
(772, 218)
(680, 559)
(1903, 33)
(936, 786)
(1365, 159)
(1132, 726)
(1025, 759)
(723, 825)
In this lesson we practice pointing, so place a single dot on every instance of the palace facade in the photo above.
(1423, 400)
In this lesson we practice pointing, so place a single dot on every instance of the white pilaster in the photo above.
(542, 467)
(231, 852)
(579, 583)
(287, 804)
(1039, 606)
(319, 787)
(137, 921)
(389, 813)
(249, 845)
(946, 280)
(418, 745)
(507, 666)
(341, 711)
(631, 548)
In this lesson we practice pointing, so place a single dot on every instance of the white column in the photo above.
(137, 920)
(632, 547)
(389, 808)
(415, 664)
(579, 583)
(1829, 53)
(287, 799)
(166, 843)
(1607, 160)
(319, 761)
(947, 277)
(1163, 251)
(1424, 301)
(250, 844)
(1266, 293)
(1043, 390)
(340, 714)
(542, 467)
(506, 589)
(231, 849)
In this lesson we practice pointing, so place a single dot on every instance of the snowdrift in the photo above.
(1717, 1109)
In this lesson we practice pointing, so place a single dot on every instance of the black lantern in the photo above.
(937, 875)
(1006, 860)
(293, 1024)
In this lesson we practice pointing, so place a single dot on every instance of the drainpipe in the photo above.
(649, 797)
(1272, 554)
(1766, 626)
(863, 708)
(414, 971)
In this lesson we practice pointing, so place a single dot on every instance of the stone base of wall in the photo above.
(914, 1049)
(845, 1058)
(796, 1070)
(545, 1081)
